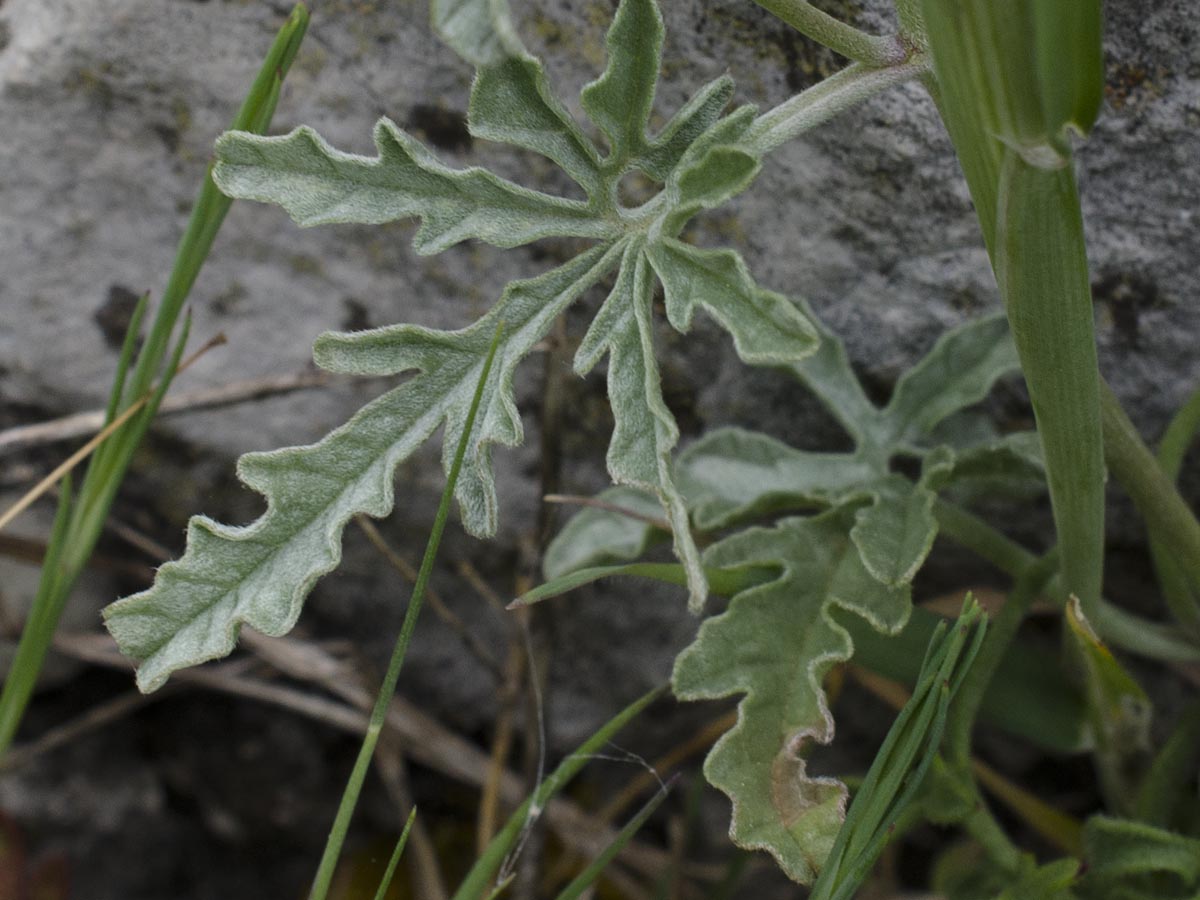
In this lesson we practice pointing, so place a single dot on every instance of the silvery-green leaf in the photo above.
(480, 31)
(767, 328)
(619, 101)
(774, 644)
(731, 474)
(959, 371)
(1016, 456)
(512, 103)
(317, 185)
(597, 536)
(895, 533)
(259, 574)
(713, 169)
(644, 431)
(828, 374)
(660, 158)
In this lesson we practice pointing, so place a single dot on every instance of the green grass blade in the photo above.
(107, 467)
(39, 627)
(390, 872)
(588, 876)
(900, 766)
(358, 775)
(489, 863)
(128, 348)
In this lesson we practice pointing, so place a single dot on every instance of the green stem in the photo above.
(1183, 602)
(982, 825)
(1121, 628)
(823, 101)
(1000, 634)
(835, 34)
(1152, 492)
(970, 531)
(358, 775)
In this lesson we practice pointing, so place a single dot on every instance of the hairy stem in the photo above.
(835, 34)
(823, 101)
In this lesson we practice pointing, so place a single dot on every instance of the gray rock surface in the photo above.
(108, 111)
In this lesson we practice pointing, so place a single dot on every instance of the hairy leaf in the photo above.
(1134, 861)
(645, 432)
(733, 474)
(959, 371)
(259, 574)
(767, 328)
(619, 101)
(599, 535)
(319, 185)
(774, 645)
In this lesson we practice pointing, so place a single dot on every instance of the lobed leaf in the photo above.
(318, 185)
(259, 574)
(512, 103)
(959, 371)
(732, 474)
(767, 328)
(597, 536)
(620, 100)
(644, 432)
(774, 645)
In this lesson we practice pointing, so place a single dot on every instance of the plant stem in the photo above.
(358, 775)
(835, 34)
(1183, 602)
(823, 101)
(982, 825)
(1165, 512)
(1001, 631)
(972, 532)
(1114, 624)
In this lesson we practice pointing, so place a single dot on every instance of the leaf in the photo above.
(774, 645)
(645, 432)
(732, 474)
(959, 371)
(697, 116)
(1128, 860)
(259, 574)
(480, 31)
(597, 536)
(767, 328)
(619, 101)
(895, 532)
(512, 103)
(319, 185)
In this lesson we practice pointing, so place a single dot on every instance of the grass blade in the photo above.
(489, 863)
(588, 876)
(390, 871)
(108, 468)
(358, 775)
